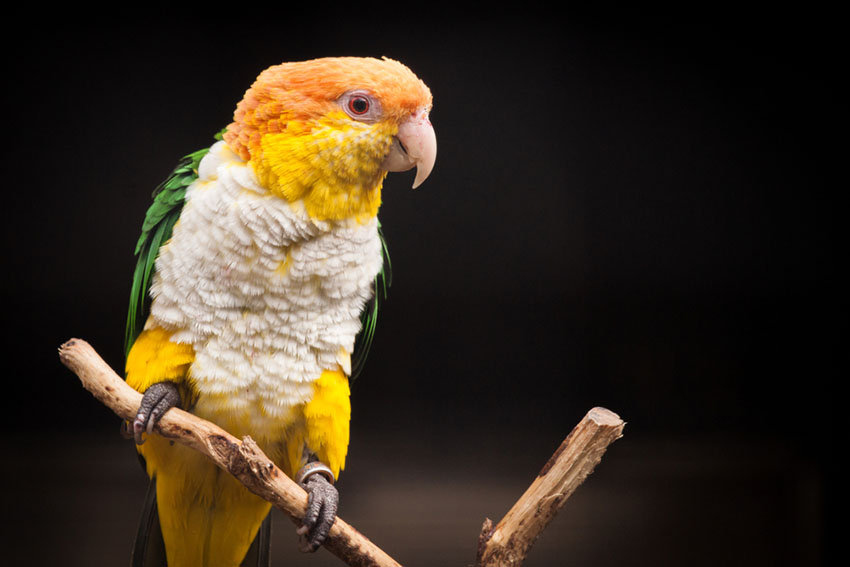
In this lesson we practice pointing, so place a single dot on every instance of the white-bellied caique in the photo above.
(253, 297)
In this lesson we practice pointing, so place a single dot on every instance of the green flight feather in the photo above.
(369, 317)
(168, 199)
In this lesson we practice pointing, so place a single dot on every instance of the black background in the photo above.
(632, 212)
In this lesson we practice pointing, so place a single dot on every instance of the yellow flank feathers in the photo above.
(327, 418)
(154, 358)
(323, 427)
(333, 164)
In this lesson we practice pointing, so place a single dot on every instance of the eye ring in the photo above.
(359, 105)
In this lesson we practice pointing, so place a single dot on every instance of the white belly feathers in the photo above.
(267, 297)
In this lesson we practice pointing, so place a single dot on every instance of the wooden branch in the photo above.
(509, 542)
(243, 459)
(506, 544)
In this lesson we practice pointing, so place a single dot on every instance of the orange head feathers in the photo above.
(310, 89)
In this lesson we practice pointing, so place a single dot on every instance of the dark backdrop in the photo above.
(636, 214)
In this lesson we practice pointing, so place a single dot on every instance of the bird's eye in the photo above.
(359, 105)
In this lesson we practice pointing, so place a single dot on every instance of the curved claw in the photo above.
(321, 511)
(157, 400)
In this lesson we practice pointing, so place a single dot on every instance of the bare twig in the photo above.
(508, 543)
(243, 459)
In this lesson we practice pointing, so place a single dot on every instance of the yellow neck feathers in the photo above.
(331, 164)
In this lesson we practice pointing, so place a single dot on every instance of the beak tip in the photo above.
(423, 171)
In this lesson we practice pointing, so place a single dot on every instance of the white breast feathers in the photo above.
(267, 297)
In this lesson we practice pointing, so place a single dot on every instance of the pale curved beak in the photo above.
(414, 145)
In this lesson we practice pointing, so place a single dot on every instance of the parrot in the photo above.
(255, 295)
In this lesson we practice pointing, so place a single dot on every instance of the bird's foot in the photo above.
(157, 399)
(321, 511)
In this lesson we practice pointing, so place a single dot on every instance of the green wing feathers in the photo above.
(369, 317)
(168, 201)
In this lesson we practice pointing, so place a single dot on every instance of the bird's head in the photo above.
(327, 131)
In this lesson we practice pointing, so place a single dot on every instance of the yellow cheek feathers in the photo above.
(332, 165)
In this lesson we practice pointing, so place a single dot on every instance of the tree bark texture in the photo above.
(507, 544)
